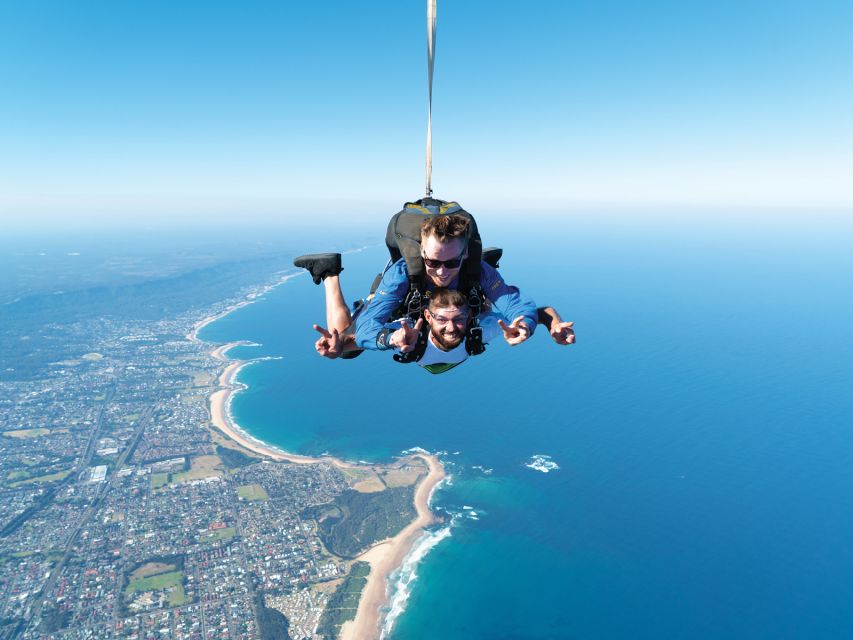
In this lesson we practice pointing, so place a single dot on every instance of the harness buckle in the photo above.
(475, 300)
(474, 341)
(414, 304)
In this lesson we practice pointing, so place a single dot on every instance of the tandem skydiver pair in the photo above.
(439, 301)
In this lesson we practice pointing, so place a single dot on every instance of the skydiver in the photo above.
(441, 337)
(444, 249)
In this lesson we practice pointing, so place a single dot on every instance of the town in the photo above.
(124, 514)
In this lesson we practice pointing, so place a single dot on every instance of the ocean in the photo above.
(699, 432)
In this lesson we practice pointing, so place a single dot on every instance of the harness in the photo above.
(474, 345)
(403, 241)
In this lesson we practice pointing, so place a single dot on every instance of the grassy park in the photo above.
(252, 492)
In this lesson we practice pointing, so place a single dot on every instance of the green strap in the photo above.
(440, 367)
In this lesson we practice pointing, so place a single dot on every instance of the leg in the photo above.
(320, 265)
(336, 341)
(337, 312)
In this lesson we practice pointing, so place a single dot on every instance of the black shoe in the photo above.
(491, 255)
(320, 265)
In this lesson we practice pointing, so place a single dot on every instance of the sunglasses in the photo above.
(450, 264)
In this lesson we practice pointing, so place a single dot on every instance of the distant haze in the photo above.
(179, 113)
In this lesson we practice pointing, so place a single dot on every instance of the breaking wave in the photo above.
(400, 582)
(543, 463)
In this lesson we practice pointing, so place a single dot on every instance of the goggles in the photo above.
(459, 321)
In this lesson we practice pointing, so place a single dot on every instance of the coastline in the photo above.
(220, 413)
(384, 557)
(253, 297)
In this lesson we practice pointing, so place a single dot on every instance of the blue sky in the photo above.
(127, 110)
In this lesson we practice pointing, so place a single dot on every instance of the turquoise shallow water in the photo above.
(701, 426)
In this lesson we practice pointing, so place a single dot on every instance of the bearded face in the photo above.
(447, 326)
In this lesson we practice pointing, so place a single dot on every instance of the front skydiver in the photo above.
(446, 318)
(438, 336)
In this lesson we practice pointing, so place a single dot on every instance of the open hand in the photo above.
(515, 333)
(329, 345)
(406, 338)
(563, 333)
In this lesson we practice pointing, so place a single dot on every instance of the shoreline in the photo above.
(383, 557)
(220, 413)
(192, 336)
(387, 556)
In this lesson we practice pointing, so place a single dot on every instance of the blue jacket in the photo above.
(505, 299)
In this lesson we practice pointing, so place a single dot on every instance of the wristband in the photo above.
(382, 339)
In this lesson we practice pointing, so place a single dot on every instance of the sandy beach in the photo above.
(383, 557)
(221, 418)
(192, 336)
(386, 556)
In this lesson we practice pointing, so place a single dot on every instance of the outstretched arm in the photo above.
(561, 332)
(509, 302)
(376, 316)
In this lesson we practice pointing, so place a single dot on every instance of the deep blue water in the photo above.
(702, 425)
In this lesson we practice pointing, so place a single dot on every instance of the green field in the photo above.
(152, 569)
(177, 597)
(59, 475)
(155, 583)
(159, 479)
(201, 467)
(252, 492)
(22, 434)
(219, 534)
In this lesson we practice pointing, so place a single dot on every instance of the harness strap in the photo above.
(415, 301)
(474, 344)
